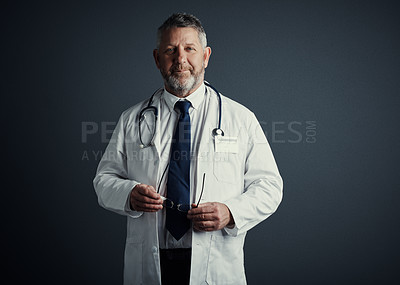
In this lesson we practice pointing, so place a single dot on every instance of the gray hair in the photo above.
(183, 20)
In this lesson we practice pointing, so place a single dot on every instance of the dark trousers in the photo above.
(175, 266)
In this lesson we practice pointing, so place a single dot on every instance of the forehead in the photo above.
(178, 35)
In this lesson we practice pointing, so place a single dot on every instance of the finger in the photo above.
(145, 193)
(202, 217)
(204, 226)
(146, 207)
(146, 210)
(144, 199)
(202, 208)
(193, 206)
(149, 191)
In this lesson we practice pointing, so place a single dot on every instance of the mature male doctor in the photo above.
(191, 170)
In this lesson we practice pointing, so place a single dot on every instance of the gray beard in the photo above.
(182, 89)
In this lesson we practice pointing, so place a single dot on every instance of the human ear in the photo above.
(207, 54)
(156, 58)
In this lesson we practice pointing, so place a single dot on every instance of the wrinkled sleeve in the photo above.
(263, 184)
(111, 182)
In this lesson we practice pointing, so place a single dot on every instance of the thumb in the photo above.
(151, 188)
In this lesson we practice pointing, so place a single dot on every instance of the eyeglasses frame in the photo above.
(172, 202)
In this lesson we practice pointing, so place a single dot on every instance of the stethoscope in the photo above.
(152, 109)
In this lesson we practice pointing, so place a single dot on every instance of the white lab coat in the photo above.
(248, 182)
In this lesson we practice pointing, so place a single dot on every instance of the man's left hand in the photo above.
(210, 216)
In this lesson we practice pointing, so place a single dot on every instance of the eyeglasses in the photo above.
(168, 203)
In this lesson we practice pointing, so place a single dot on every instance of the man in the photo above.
(192, 171)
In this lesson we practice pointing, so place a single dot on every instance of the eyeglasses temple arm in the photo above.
(202, 189)
(162, 176)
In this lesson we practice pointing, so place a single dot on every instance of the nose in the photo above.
(180, 55)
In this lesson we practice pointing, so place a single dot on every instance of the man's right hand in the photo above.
(144, 198)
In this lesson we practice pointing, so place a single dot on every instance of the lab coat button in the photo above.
(154, 249)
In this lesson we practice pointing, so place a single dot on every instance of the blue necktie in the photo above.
(178, 184)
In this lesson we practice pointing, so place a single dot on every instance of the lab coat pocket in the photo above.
(226, 167)
(133, 271)
(226, 261)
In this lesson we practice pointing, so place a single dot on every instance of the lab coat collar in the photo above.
(196, 98)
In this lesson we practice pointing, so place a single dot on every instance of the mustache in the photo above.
(180, 67)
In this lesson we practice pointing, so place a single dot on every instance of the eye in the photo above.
(190, 49)
(169, 50)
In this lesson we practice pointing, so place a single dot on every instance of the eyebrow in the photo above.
(187, 44)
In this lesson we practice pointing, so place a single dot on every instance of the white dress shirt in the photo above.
(168, 119)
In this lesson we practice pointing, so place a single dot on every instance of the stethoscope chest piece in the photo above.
(217, 132)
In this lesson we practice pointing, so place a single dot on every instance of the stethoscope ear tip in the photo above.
(141, 146)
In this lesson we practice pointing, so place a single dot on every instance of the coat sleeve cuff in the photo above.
(232, 231)
(128, 210)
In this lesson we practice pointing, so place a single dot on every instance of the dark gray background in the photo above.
(335, 63)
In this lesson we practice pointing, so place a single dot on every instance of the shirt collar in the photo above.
(196, 98)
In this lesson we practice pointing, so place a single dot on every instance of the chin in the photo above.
(183, 79)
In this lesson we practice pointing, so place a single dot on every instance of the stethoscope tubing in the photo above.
(219, 103)
(217, 131)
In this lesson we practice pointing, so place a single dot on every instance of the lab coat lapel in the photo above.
(205, 150)
(157, 136)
